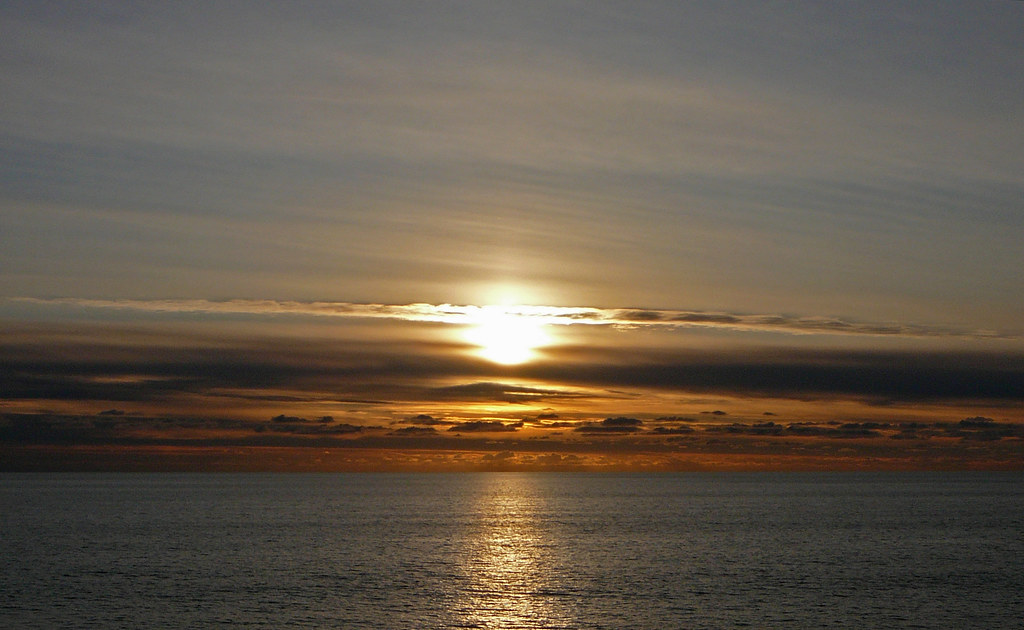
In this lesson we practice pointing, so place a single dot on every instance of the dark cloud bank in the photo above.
(282, 370)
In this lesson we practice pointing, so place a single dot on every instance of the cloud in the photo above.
(118, 366)
(485, 426)
(880, 376)
(678, 430)
(300, 426)
(288, 419)
(502, 456)
(549, 315)
(499, 392)
(53, 429)
(415, 431)
(556, 459)
(557, 425)
(980, 428)
(72, 429)
(674, 419)
(765, 429)
(423, 419)
(59, 441)
(618, 424)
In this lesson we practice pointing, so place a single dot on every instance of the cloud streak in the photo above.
(548, 315)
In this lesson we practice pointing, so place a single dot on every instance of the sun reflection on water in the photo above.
(512, 567)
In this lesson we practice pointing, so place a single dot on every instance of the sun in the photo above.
(506, 337)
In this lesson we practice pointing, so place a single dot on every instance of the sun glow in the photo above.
(506, 337)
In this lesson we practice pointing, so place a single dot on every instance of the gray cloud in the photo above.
(555, 459)
(500, 392)
(678, 430)
(485, 426)
(415, 431)
(617, 424)
(423, 419)
(501, 456)
(870, 374)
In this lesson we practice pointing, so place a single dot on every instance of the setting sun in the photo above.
(506, 337)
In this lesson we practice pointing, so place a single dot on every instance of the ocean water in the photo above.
(491, 550)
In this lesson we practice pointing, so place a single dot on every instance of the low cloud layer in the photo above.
(129, 442)
(111, 367)
(879, 376)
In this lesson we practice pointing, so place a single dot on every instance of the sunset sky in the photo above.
(519, 235)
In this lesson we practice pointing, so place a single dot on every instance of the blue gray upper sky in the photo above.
(860, 160)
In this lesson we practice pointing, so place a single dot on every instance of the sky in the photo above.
(529, 235)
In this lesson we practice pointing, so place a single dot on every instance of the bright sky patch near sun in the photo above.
(506, 337)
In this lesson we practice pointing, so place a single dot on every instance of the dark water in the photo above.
(512, 551)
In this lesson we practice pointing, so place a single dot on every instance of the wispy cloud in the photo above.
(549, 315)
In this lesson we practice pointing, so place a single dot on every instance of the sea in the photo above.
(512, 550)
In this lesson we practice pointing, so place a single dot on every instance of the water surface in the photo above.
(512, 550)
